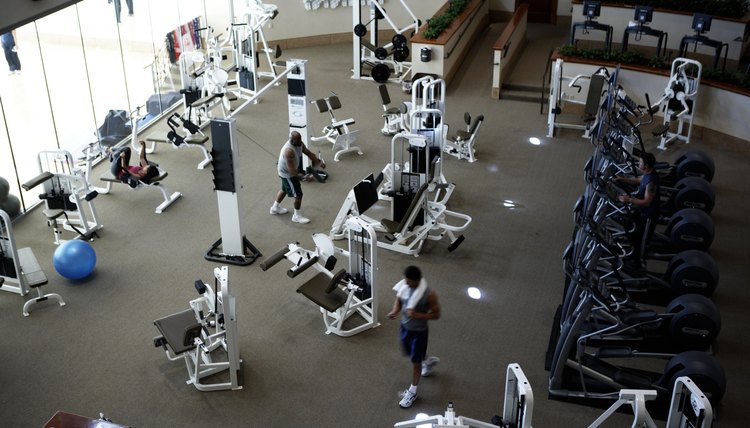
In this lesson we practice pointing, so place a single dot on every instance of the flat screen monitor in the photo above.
(592, 9)
(644, 14)
(701, 22)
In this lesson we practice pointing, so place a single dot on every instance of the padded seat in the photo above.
(396, 227)
(179, 330)
(324, 291)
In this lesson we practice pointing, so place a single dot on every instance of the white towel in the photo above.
(402, 290)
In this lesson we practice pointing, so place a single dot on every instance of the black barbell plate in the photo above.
(380, 73)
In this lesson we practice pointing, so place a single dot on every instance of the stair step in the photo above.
(526, 96)
(522, 88)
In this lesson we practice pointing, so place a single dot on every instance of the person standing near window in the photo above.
(11, 51)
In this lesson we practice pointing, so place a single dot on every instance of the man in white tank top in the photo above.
(289, 169)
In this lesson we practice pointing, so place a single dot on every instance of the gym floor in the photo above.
(96, 354)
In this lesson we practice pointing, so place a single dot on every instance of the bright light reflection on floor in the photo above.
(474, 293)
(535, 141)
(508, 203)
(493, 168)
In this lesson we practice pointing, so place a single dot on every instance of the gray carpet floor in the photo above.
(96, 354)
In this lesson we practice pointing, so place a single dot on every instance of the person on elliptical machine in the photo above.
(646, 200)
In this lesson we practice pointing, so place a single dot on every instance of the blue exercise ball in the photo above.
(74, 259)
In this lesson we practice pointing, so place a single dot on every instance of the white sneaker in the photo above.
(407, 399)
(279, 210)
(299, 219)
(428, 364)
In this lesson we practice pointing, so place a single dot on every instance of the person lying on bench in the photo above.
(131, 174)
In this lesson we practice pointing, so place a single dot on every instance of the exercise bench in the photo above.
(155, 184)
(195, 140)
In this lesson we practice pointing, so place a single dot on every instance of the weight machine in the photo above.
(67, 195)
(426, 115)
(19, 268)
(337, 133)
(246, 36)
(679, 100)
(377, 57)
(205, 336)
(558, 98)
(348, 292)
(461, 145)
(414, 218)
(204, 82)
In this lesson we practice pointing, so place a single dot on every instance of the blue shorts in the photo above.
(291, 186)
(414, 344)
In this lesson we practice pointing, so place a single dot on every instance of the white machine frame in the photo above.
(362, 53)
(558, 97)
(461, 146)
(518, 407)
(362, 267)
(682, 88)
(425, 118)
(216, 315)
(233, 246)
(689, 407)
(337, 132)
(27, 271)
(59, 177)
(409, 239)
(250, 30)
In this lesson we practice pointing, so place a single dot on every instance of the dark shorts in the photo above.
(414, 344)
(291, 186)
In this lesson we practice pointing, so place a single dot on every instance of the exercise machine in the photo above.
(426, 135)
(702, 24)
(678, 101)
(155, 183)
(348, 292)
(19, 269)
(461, 145)
(559, 97)
(639, 27)
(204, 84)
(415, 218)
(591, 10)
(337, 132)
(205, 336)
(689, 407)
(518, 408)
(393, 117)
(246, 36)
(195, 138)
(233, 246)
(67, 194)
(389, 59)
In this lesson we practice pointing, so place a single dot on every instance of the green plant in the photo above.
(438, 23)
(638, 58)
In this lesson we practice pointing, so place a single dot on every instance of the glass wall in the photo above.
(84, 70)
